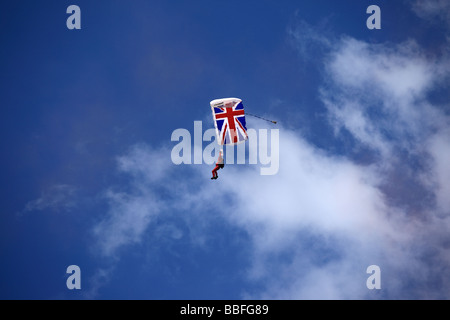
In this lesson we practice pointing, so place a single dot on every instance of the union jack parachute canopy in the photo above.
(229, 120)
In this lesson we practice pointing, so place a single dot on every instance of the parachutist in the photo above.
(219, 165)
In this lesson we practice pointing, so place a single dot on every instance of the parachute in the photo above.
(229, 120)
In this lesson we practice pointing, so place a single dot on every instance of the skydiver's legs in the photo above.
(214, 172)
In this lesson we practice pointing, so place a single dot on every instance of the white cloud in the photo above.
(401, 71)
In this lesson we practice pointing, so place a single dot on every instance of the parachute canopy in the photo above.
(229, 120)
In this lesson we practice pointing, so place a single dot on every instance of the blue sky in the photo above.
(364, 150)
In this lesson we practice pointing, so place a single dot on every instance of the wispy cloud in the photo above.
(59, 197)
(310, 41)
(99, 279)
(132, 210)
(432, 9)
